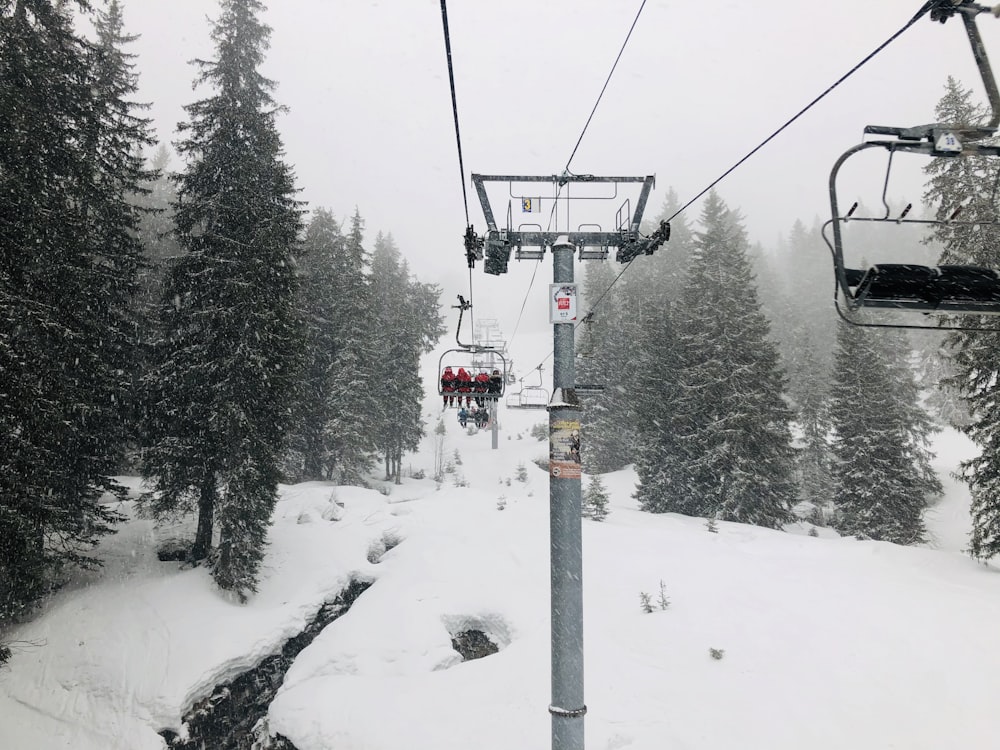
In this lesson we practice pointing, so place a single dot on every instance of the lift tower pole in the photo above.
(494, 248)
(565, 524)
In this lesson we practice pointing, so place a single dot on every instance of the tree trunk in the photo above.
(206, 517)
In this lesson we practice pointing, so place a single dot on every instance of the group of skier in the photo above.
(480, 417)
(461, 384)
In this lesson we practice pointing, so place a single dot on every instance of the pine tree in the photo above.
(68, 263)
(321, 294)
(971, 182)
(882, 473)
(814, 459)
(604, 359)
(350, 433)
(407, 324)
(228, 363)
(736, 427)
(595, 499)
(652, 298)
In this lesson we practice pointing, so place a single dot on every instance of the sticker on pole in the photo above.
(562, 303)
(564, 449)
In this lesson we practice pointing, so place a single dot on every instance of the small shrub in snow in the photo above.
(385, 490)
(540, 431)
(501, 502)
(522, 473)
(520, 436)
(716, 653)
(5, 653)
(812, 531)
(508, 482)
(646, 602)
(460, 480)
(712, 526)
(418, 474)
(663, 600)
(458, 458)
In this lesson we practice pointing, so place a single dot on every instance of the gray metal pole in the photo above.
(495, 439)
(565, 526)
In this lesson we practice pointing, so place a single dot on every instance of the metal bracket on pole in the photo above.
(499, 243)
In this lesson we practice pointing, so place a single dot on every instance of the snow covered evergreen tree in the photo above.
(70, 147)
(229, 360)
(660, 460)
(320, 297)
(353, 383)
(815, 457)
(882, 473)
(606, 359)
(408, 324)
(736, 427)
(970, 182)
(595, 499)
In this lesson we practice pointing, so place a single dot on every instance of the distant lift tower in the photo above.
(592, 241)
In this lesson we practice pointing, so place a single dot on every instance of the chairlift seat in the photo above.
(947, 288)
(892, 283)
(968, 284)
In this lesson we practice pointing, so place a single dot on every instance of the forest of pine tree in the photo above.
(171, 319)
(184, 316)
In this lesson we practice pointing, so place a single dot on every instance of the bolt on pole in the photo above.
(565, 525)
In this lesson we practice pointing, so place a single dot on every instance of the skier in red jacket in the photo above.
(481, 386)
(448, 385)
(464, 385)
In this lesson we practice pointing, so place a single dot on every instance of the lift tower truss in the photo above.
(528, 241)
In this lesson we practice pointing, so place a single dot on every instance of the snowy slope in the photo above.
(827, 642)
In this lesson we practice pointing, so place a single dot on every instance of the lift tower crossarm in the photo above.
(546, 239)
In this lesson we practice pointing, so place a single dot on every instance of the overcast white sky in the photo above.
(699, 85)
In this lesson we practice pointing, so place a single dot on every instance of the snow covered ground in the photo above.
(825, 642)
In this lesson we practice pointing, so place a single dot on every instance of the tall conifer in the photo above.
(69, 160)
(970, 183)
(882, 473)
(736, 426)
(228, 362)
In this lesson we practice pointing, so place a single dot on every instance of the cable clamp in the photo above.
(569, 713)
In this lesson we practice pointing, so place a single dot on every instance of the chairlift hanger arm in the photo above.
(942, 10)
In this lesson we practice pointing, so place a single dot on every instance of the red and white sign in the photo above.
(562, 303)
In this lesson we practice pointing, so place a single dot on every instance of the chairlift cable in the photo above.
(606, 82)
(454, 105)
(923, 11)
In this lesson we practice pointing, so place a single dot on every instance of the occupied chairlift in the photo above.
(907, 286)
(529, 396)
(470, 357)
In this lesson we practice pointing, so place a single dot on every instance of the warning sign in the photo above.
(564, 449)
(562, 303)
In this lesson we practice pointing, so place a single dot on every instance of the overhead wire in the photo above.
(454, 105)
(606, 82)
(926, 7)
(579, 140)
(458, 137)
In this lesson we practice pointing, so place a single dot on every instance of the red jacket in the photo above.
(448, 380)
